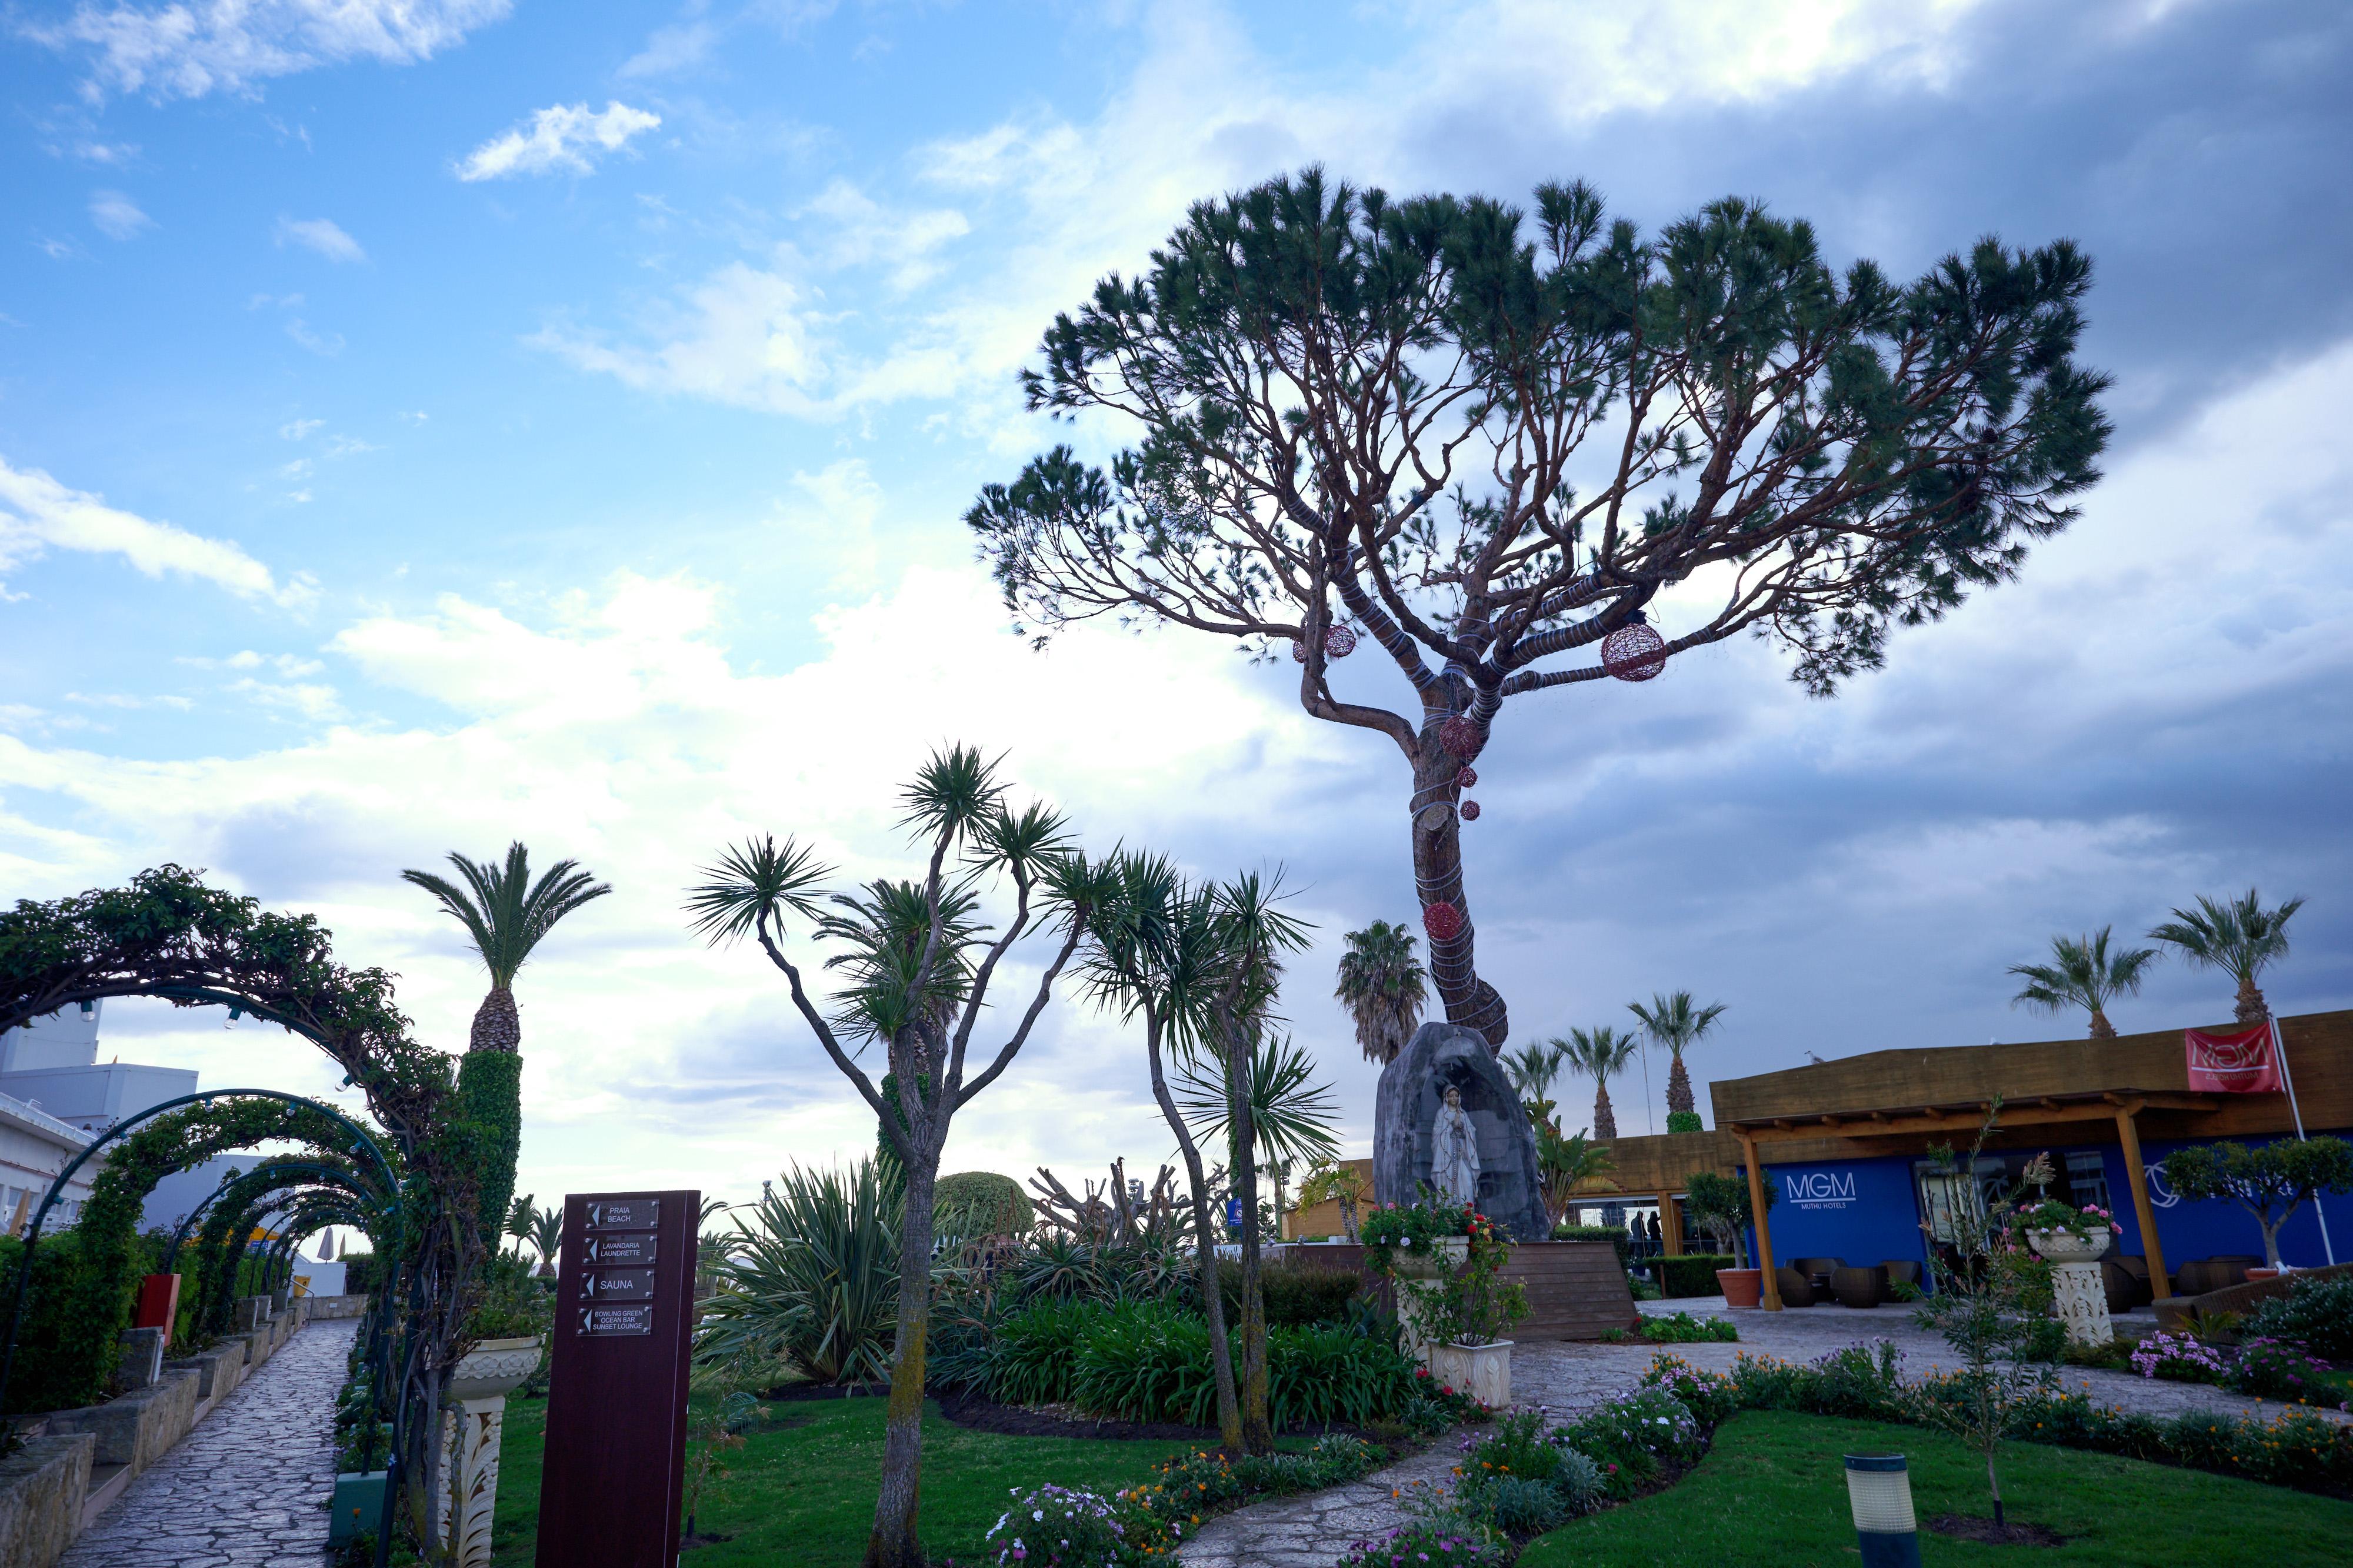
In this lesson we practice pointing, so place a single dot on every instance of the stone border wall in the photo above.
(53, 1488)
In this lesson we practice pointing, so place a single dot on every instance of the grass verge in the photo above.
(1772, 1493)
(802, 1488)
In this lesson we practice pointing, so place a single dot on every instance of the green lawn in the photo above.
(803, 1490)
(1772, 1494)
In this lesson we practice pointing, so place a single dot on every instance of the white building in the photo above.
(55, 1095)
(52, 1064)
(34, 1147)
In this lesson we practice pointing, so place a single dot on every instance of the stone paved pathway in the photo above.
(247, 1488)
(1313, 1532)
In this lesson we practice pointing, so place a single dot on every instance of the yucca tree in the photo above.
(2083, 973)
(916, 964)
(1383, 987)
(1599, 1053)
(1533, 1071)
(506, 914)
(1155, 958)
(1293, 1113)
(1677, 1023)
(2239, 936)
(1568, 1163)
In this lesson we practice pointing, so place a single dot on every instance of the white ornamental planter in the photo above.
(2080, 1294)
(1483, 1371)
(473, 1415)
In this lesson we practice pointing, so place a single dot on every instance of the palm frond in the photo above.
(1291, 1114)
(503, 911)
(955, 792)
(1676, 1022)
(755, 882)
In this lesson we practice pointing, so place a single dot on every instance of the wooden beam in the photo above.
(1671, 1226)
(1764, 1226)
(2152, 1250)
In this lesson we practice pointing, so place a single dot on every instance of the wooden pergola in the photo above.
(1951, 1118)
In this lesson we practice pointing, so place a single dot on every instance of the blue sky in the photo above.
(431, 424)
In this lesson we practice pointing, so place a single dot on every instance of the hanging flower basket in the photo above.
(1634, 652)
(1460, 736)
(1442, 921)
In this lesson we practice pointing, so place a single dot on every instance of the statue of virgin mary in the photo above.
(1454, 1150)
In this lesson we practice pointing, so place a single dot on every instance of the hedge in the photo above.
(489, 1092)
(1691, 1273)
(1615, 1235)
(1296, 1295)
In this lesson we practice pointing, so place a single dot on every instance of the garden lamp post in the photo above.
(1879, 1490)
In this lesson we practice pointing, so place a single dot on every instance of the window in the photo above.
(1944, 1198)
(2087, 1179)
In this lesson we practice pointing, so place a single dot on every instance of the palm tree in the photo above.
(546, 1237)
(1567, 1164)
(1533, 1072)
(1677, 1023)
(1383, 986)
(506, 914)
(519, 1218)
(2082, 973)
(1599, 1052)
(2240, 936)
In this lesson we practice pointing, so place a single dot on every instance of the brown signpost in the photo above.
(612, 1485)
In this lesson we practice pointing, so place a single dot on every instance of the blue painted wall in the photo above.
(1867, 1211)
(1861, 1210)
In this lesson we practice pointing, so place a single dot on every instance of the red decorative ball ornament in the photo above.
(1634, 652)
(1460, 736)
(1470, 811)
(1339, 642)
(1443, 921)
(1466, 778)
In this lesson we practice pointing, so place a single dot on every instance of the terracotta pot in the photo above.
(1741, 1287)
(2263, 1273)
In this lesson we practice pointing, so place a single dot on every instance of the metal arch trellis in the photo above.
(396, 1207)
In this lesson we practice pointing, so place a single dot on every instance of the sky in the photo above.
(430, 422)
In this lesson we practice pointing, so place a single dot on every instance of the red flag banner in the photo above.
(2240, 1063)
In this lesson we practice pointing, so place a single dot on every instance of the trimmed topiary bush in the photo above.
(981, 1204)
(1297, 1294)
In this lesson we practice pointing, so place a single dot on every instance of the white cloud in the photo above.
(325, 344)
(117, 216)
(743, 335)
(903, 243)
(38, 514)
(321, 235)
(190, 48)
(564, 137)
(298, 429)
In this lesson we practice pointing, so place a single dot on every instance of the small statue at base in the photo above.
(1454, 1152)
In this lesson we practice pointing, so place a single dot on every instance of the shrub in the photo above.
(363, 1272)
(1297, 1294)
(1437, 1529)
(1683, 1329)
(1632, 1438)
(1709, 1395)
(2315, 1313)
(1034, 1355)
(1577, 1483)
(2177, 1358)
(1685, 1122)
(1522, 1507)
(981, 1204)
(814, 1281)
(1615, 1235)
(1157, 1514)
(1516, 1444)
(70, 1340)
(1859, 1380)
(1326, 1373)
(1055, 1526)
(1691, 1273)
(2281, 1369)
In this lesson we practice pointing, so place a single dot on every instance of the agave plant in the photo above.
(814, 1279)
